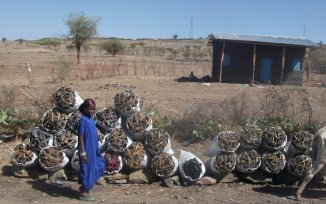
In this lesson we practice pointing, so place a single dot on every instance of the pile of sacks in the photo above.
(269, 150)
(126, 137)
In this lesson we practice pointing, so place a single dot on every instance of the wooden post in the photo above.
(283, 60)
(221, 64)
(253, 65)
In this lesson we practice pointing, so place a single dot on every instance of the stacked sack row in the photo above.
(270, 150)
(52, 143)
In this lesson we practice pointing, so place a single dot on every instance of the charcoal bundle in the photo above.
(135, 156)
(73, 121)
(113, 162)
(223, 163)
(191, 168)
(251, 136)
(54, 121)
(107, 119)
(39, 139)
(117, 141)
(164, 165)
(126, 103)
(248, 161)
(23, 156)
(302, 141)
(66, 99)
(66, 141)
(52, 159)
(100, 136)
(273, 162)
(274, 138)
(137, 125)
(156, 141)
(299, 165)
(228, 141)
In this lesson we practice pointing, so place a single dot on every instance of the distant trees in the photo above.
(81, 28)
(112, 46)
(4, 40)
(175, 36)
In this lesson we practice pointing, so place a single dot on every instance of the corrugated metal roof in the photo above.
(299, 41)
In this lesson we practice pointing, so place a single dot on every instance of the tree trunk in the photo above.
(78, 45)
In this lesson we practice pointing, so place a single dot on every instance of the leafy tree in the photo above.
(4, 40)
(81, 28)
(112, 46)
(175, 36)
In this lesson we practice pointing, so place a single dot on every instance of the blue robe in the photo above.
(91, 171)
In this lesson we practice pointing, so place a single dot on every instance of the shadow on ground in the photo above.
(54, 189)
(289, 192)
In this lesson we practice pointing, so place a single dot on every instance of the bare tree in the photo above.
(81, 28)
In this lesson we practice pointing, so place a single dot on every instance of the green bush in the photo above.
(48, 42)
(112, 46)
(64, 68)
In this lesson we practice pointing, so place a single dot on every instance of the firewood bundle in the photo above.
(126, 102)
(302, 141)
(113, 162)
(228, 141)
(66, 141)
(135, 156)
(300, 165)
(224, 163)
(164, 165)
(73, 121)
(274, 138)
(273, 162)
(156, 140)
(23, 156)
(251, 136)
(117, 140)
(64, 97)
(54, 120)
(51, 157)
(137, 125)
(248, 161)
(107, 119)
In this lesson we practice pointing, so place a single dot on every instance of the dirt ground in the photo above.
(160, 93)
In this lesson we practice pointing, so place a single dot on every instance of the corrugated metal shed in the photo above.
(298, 41)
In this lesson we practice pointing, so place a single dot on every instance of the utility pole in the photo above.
(191, 27)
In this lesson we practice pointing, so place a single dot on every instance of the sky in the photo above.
(134, 19)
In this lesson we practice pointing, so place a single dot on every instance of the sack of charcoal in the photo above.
(191, 168)
(73, 119)
(126, 103)
(301, 143)
(107, 119)
(38, 139)
(67, 142)
(23, 156)
(224, 142)
(299, 165)
(66, 99)
(274, 138)
(250, 136)
(101, 136)
(52, 159)
(221, 164)
(113, 162)
(164, 165)
(158, 141)
(273, 162)
(248, 161)
(54, 121)
(135, 156)
(138, 125)
(117, 141)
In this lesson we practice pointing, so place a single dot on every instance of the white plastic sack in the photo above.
(30, 163)
(265, 168)
(59, 166)
(241, 169)
(110, 147)
(214, 149)
(176, 163)
(78, 102)
(212, 170)
(39, 139)
(75, 161)
(115, 171)
(185, 156)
